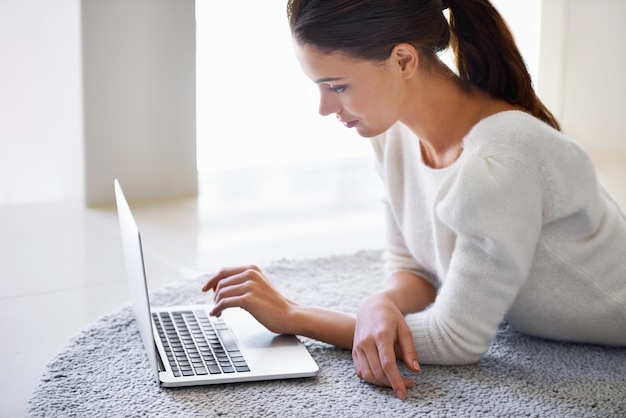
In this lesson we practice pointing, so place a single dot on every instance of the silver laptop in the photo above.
(186, 346)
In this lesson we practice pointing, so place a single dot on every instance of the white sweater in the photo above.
(517, 228)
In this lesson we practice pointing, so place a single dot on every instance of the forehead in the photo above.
(322, 67)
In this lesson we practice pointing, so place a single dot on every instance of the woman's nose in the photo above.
(328, 104)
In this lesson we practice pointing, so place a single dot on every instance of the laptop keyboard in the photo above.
(195, 345)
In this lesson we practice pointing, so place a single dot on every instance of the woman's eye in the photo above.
(337, 89)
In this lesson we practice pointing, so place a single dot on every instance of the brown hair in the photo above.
(484, 48)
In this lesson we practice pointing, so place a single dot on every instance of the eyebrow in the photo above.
(327, 79)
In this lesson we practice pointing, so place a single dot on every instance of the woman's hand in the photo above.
(381, 336)
(247, 288)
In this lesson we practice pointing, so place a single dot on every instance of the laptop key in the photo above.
(228, 340)
(214, 369)
(201, 371)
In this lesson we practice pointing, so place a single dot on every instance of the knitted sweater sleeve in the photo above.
(487, 223)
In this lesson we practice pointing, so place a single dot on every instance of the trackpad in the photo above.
(265, 339)
(252, 334)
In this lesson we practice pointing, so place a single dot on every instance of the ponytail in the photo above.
(487, 57)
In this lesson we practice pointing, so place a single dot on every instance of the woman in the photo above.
(492, 213)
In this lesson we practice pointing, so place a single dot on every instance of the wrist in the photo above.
(332, 327)
(294, 318)
(386, 296)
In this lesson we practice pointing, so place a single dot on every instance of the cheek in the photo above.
(381, 99)
(380, 114)
(378, 120)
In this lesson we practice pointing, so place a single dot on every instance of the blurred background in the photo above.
(200, 109)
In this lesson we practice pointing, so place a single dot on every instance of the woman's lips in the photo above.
(350, 124)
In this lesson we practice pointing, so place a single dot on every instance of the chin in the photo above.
(367, 132)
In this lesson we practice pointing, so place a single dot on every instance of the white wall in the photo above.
(581, 71)
(594, 96)
(524, 20)
(40, 101)
(134, 119)
(553, 36)
(139, 68)
(255, 106)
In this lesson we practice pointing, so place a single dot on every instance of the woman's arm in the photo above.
(332, 327)
(409, 292)
(376, 334)
(246, 287)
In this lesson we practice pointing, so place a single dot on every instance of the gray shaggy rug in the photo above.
(104, 371)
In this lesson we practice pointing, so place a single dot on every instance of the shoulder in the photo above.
(515, 138)
(514, 157)
(521, 135)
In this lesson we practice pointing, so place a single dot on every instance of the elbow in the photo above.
(453, 349)
(463, 358)
(448, 342)
(455, 356)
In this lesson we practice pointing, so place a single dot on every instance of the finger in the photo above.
(363, 368)
(225, 273)
(357, 364)
(225, 303)
(370, 367)
(364, 371)
(387, 358)
(233, 286)
(247, 281)
(407, 348)
(233, 291)
(246, 290)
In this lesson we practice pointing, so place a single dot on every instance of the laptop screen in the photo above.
(135, 270)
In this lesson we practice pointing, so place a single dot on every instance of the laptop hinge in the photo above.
(160, 364)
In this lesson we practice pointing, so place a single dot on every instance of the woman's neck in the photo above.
(443, 112)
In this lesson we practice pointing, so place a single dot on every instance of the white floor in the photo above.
(61, 265)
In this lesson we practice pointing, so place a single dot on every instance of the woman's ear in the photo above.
(406, 57)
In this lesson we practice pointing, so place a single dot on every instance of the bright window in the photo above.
(255, 107)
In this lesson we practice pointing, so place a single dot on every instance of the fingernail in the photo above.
(416, 366)
(401, 395)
